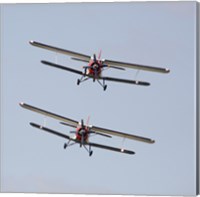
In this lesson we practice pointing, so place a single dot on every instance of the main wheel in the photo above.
(90, 153)
(65, 145)
(104, 87)
(78, 81)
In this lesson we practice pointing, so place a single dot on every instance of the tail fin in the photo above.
(87, 123)
(99, 56)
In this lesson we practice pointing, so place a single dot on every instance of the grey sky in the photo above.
(158, 34)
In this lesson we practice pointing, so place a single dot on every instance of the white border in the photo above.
(72, 1)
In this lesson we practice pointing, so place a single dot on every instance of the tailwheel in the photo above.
(104, 87)
(78, 81)
(65, 146)
(90, 153)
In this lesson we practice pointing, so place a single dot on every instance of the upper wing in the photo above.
(125, 81)
(59, 50)
(46, 113)
(110, 148)
(120, 134)
(137, 66)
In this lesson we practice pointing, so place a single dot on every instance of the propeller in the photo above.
(82, 132)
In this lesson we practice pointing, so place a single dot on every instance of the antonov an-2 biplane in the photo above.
(95, 66)
(83, 132)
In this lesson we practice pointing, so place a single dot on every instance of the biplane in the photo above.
(83, 132)
(95, 65)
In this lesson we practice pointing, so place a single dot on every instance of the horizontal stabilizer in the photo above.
(77, 59)
(93, 132)
(68, 124)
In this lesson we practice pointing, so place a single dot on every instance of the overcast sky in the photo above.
(156, 34)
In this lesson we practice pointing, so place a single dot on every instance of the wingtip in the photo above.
(167, 70)
(36, 125)
(152, 141)
(31, 42)
(21, 104)
(46, 62)
(32, 124)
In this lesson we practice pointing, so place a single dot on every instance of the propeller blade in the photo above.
(82, 139)
(86, 66)
(82, 124)
(94, 56)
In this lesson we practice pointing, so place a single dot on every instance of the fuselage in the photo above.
(82, 132)
(95, 66)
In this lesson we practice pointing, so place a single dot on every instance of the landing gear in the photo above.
(68, 144)
(82, 79)
(103, 85)
(88, 150)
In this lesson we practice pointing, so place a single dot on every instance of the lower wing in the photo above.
(61, 67)
(125, 81)
(50, 130)
(86, 143)
(103, 78)
(120, 150)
